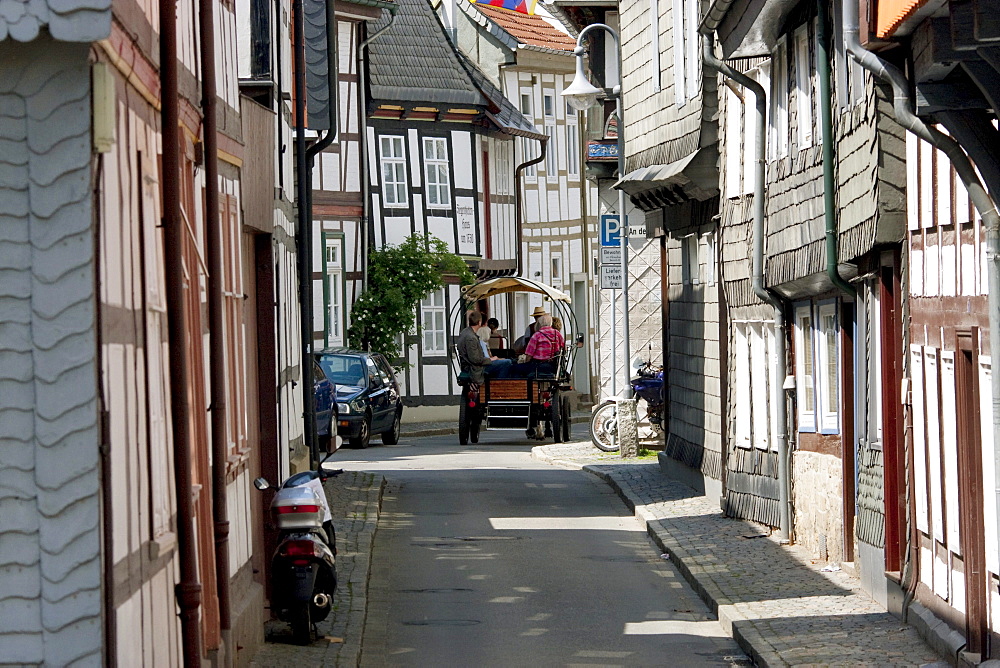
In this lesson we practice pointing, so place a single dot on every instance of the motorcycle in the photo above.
(647, 385)
(303, 569)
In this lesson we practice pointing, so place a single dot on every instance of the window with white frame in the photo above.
(335, 290)
(572, 144)
(432, 319)
(742, 397)
(778, 126)
(805, 371)
(761, 75)
(754, 388)
(393, 155)
(734, 136)
(654, 44)
(549, 105)
(556, 271)
(803, 88)
(689, 260)
(692, 39)
(526, 104)
(827, 367)
(436, 176)
(680, 51)
(706, 258)
(551, 153)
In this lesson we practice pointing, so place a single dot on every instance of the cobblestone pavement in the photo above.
(777, 603)
(355, 498)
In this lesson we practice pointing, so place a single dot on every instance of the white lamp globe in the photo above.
(581, 94)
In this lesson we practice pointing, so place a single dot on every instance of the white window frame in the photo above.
(437, 194)
(654, 44)
(529, 152)
(803, 89)
(706, 258)
(433, 323)
(549, 106)
(680, 52)
(734, 130)
(692, 39)
(690, 271)
(572, 144)
(551, 153)
(760, 378)
(779, 102)
(526, 103)
(395, 191)
(333, 260)
(829, 398)
(556, 269)
(805, 378)
(743, 407)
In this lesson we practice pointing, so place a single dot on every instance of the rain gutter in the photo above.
(903, 112)
(188, 588)
(829, 164)
(216, 325)
(762, 292)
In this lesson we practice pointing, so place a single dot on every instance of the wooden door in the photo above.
(971, 495)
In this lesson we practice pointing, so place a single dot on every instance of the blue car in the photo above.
(368, 397)
(325, 396)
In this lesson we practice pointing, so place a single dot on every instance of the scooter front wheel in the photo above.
(604, 426)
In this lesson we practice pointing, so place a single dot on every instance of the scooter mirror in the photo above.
(637, 364)
(261, 484)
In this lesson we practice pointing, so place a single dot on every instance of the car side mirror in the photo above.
(261, 484)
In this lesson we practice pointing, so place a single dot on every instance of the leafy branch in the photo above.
(399, 277)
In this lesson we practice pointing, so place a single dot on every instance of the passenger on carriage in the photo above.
(541, 355)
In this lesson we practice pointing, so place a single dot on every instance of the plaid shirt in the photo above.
(545, 344)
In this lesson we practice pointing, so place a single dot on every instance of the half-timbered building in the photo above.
(529, 58)
(948, 396)
(441, 162)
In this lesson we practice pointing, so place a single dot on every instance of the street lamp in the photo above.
(581, 95)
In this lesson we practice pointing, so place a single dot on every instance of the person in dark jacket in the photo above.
(470, 353)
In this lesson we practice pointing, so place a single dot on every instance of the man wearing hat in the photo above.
(533, 327)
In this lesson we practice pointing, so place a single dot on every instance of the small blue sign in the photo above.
(599, 151)
(611, 229)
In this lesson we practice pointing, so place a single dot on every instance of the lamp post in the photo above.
(581, 95)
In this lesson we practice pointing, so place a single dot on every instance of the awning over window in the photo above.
(693, 177)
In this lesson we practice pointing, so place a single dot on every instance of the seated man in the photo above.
(542, 351)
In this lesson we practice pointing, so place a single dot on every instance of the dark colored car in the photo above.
(368, 398)
(325, 396)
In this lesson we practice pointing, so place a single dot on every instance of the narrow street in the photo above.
(487, 557)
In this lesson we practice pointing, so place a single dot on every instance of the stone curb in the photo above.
(753, 643)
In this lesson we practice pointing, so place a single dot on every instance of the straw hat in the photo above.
(539, 311)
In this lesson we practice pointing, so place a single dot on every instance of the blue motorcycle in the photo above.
(647, 385)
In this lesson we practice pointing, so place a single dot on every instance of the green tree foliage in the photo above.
(399, 277)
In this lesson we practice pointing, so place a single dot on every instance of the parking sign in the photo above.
(611, 229)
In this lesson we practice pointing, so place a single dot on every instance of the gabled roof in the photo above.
(414, 61)
(528, 30)
(502, 112)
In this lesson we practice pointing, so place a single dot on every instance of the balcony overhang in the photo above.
(747, 27)
(693, 177)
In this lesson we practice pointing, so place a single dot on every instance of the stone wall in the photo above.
(817, 502)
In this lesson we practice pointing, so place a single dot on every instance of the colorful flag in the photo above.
(522, 6)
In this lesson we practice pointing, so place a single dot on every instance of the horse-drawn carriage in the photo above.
(536, 406)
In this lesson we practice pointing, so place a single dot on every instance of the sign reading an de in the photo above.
(611, 230)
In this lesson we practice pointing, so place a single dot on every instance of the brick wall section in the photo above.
(50, 566)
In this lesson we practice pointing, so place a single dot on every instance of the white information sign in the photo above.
(611, 277)
(611, 255)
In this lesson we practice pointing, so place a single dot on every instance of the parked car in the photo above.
(325, 396)
(368, 397)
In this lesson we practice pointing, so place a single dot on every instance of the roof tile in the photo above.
(528, 29)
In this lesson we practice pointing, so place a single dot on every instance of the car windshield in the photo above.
(344, 369)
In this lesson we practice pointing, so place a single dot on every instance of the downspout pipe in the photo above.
(216, 320)
(518, 200)
(903, 112)
(763, 293)
(188, 589)
(829, 157)
(393, 8)
(303, 235)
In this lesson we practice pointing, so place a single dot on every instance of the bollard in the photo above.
(628, 428)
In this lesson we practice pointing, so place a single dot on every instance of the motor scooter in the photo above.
(303, 568)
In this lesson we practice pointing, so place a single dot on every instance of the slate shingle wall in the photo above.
(50, 568)
(73, 21)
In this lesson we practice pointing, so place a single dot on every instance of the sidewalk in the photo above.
(780, 607)
(355, 498)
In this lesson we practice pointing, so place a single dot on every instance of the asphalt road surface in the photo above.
(487, 557)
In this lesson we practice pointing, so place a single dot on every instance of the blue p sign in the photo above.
(611, 230)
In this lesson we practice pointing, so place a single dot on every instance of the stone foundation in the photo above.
(817, 502)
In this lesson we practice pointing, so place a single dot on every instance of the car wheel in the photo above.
(364, 436)
(391, 437)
